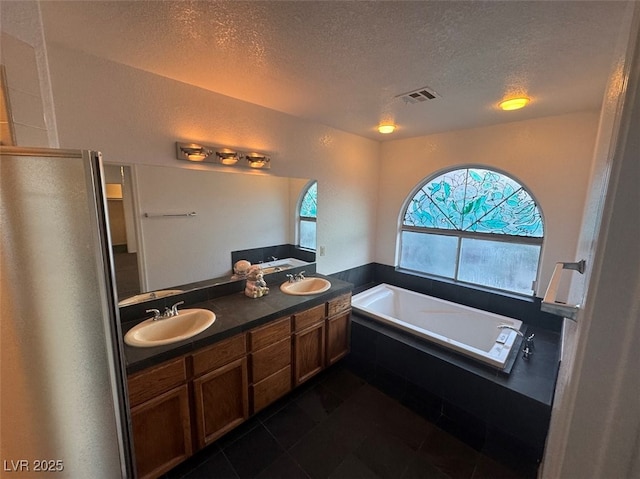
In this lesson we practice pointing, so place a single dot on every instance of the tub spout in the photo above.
(508, 326)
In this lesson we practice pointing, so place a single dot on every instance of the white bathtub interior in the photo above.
(469, 331)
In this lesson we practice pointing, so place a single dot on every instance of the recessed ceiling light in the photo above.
(385, 129)
(514, 103)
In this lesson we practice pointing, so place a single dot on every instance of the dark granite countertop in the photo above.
(235, 313)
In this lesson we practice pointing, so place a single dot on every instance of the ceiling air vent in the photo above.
(419, 95)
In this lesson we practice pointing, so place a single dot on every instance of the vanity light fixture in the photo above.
(258, 161)
(514, 103)
(227, 157)
(386, 128)
(193, 151)
(222, 155)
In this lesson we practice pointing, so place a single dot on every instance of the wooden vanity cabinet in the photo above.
(220, 389)
(308, 343)
(338, 328)
(160, 417)
(269, 362)
(184, 404)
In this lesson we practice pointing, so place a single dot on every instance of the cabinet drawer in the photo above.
(156, 380)
(339, 304)
(219, 354)
(269, 334)
(306, 318)
(268, 360)
(271, 388)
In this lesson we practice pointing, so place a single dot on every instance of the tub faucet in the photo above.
(528, 347)
(512, 328)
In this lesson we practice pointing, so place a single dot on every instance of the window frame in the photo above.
(311, 219)
(460, 234)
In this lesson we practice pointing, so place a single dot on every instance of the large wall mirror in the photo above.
(175, 228)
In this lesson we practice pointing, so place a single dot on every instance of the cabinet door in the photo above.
(309, 352)
(221, 400)
(338, 330)
(161, 432)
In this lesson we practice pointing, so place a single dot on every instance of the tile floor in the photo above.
(339, 426)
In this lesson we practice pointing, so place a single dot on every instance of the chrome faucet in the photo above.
(174, 308)
(168, 312)
(512, 328)
(296, 277)
(528, 347)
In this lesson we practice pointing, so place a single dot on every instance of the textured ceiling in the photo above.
(343, 63)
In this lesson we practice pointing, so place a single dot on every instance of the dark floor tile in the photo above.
(289, 424)
(487, 468)
(218, 466)
(193, 462)
(236, 433)
(353, 468)
(449, 454)
(321, 451)
(283, 468)
(342, 382)
(274, 407)
(253, 452)
(405, 425)
(420, 467)
(386, 455)
(318, 402)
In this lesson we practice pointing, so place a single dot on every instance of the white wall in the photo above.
(24, 54)
(233, 212)
(135, 117)
(550, 156)
(595, 426)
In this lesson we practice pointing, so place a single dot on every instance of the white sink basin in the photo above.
(148, 296)
(305, 286)
(281, 265)
(187, 324)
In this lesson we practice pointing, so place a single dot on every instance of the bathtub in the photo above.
(468, 331)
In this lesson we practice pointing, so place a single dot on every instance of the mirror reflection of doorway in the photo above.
(122, 229)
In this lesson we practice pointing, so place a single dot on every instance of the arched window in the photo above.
(473, 225)
(307, 214)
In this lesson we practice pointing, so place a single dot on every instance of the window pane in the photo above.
(309, 206)
(507, 266)
(429, 253)
(308, 234)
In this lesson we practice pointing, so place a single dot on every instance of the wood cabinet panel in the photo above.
(219, 354)
(161, 432)
(221, 401)
(269, 334)
(271, 388)
(147, 384)
(267, 361)
(309, 352)
(339, 304)
(306, 318)
(338, 337)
